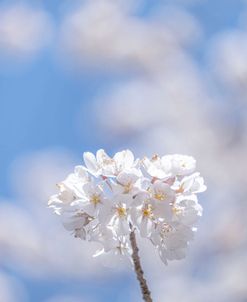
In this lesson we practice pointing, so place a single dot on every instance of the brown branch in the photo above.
(146, 294)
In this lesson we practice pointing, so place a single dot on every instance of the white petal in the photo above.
(163, 210)
(163, 255)
(124, 159)
(121, 226)
(80, 172)
(141, 198)
(146, 227)
(90, 162)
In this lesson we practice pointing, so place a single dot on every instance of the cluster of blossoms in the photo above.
(108, 198)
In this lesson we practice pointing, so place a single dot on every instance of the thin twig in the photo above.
(146, 294)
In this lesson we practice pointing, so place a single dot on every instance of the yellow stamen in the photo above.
(108, 161)
(121, 211)
(147, 211)
(60, 186)
(180, 189)
(176, 210)
(95, 199)
(160, 196)
(127, 187)
(155, 157)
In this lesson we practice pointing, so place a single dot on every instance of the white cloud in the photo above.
(230, 56)
(103, 35)
(35, 175)
(23, 30)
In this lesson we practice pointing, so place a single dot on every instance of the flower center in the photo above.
(121, 211)
(166, 229)
(180, 189)
(176, 210)
(183, 164)
(95, 199)
(127, 187)
(160, 196)
(147, 211)
(108, 161)
(155, 157)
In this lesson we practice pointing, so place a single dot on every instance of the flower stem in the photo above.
(146, 294)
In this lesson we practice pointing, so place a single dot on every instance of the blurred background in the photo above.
(153, 76)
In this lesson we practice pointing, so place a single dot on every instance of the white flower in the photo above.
(143, 218)
(63, 199)
(171, 241)
(77, 179)
(187, 210)
(110, 197)
(102, 234)
(157, 167)
(129, 182)
(104, 165)
(124, 161)
(116, 214)
(101, 164)
(162, 199)
(181, 164)
(75, 222)
(92, 199)
(191, 184)
(118, 249)
(70, 190)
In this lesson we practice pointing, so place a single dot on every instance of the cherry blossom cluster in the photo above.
(109, 197)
